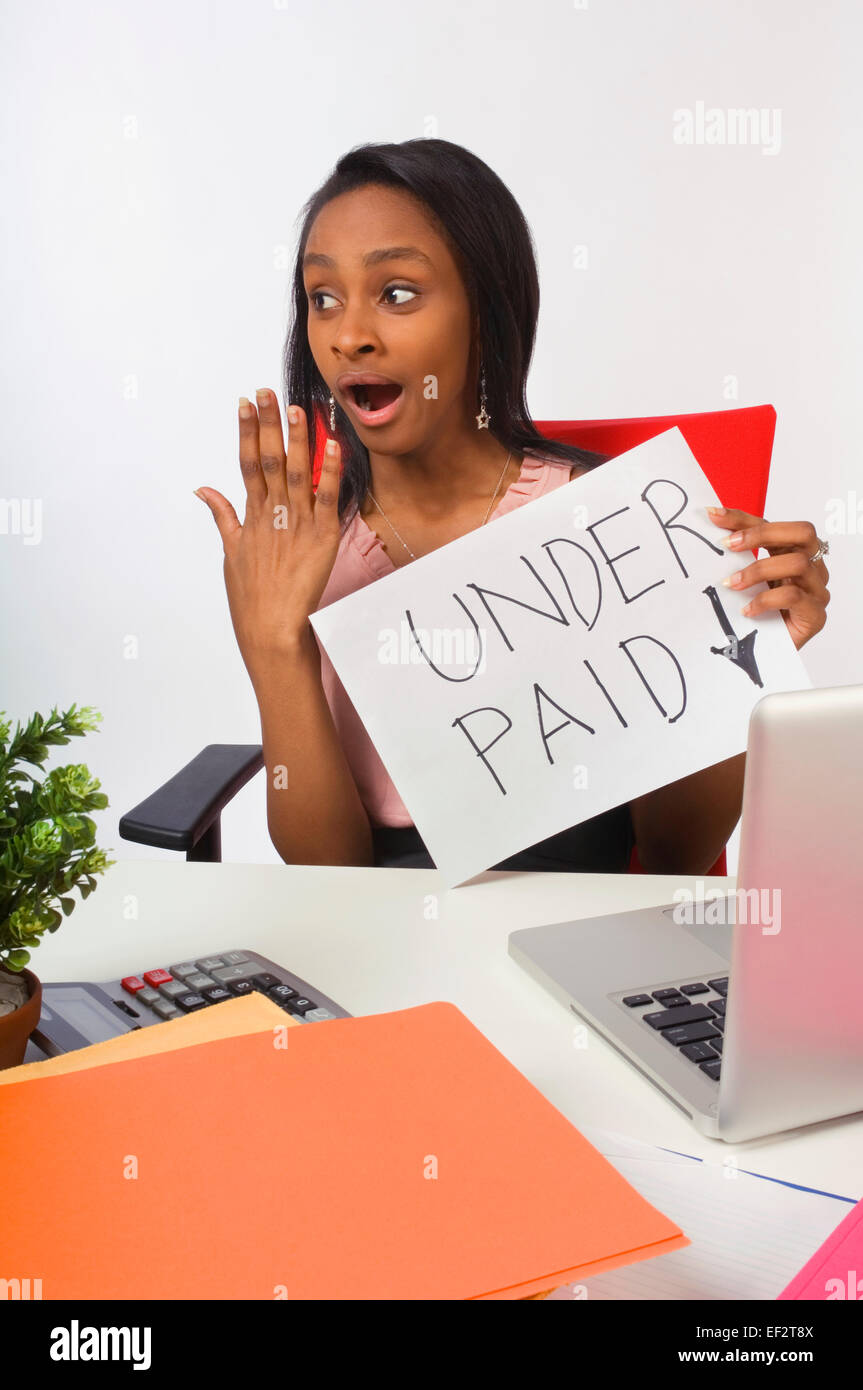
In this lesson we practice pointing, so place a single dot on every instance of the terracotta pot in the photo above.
(15, 1028)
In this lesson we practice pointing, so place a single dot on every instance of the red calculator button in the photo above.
(132, 984)
(157, 977)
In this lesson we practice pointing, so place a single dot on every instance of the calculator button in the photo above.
(156, 977)
(132, 984)
(318, 1013)
(212, 963)
(166, 1009)
(147, 995)
(199, 981)
(282, 993)
(240, 986)
(234, 957)
(302, 1006)
(173, 988)
(182, 972)
(235, 972)
(217, 993)
(265, 981)
(189, 1002)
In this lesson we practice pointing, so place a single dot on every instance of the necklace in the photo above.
(482, 523)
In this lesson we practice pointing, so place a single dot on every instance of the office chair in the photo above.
(732, 446)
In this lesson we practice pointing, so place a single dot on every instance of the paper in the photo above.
(249, 1013)
(398, 1155)
(747, 1233)
(575, 653)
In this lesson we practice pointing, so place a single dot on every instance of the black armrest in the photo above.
(184, 813)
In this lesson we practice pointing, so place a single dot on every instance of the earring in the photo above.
(332, 414)
(483, 418)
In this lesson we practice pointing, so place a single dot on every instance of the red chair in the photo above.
(732, 446)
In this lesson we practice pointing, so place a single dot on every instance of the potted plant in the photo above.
(46, 850)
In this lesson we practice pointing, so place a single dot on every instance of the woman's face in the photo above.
(385, 297)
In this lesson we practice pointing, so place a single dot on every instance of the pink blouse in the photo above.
(362, 559)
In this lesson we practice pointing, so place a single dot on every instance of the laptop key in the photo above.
(716, 1043)
(711, 1069)
(693, 1013)
(698, 988)
(720, 985)
(699, 1052)
(689, 1033)
(718, 1006)
(665, 996)
(720, 1024)
(633, 1000)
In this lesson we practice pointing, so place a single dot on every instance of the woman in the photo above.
(415, 306)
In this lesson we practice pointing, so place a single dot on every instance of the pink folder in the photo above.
(836, 1270)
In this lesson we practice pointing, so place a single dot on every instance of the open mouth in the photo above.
(375, 397)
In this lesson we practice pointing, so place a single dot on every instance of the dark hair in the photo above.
(481, 221)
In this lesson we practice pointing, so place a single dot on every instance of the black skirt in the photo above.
(601, 845)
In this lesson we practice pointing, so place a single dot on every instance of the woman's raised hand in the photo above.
(278, 561)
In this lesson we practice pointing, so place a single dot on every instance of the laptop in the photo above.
(744, 1007)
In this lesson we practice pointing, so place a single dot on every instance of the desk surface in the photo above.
(383, 939)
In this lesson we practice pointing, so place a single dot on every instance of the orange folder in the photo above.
(393, 1156)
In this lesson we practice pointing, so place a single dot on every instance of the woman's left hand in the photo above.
(797, 588)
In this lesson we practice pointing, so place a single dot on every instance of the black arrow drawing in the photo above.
(739, 649)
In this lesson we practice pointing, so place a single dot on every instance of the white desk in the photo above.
(367, 937)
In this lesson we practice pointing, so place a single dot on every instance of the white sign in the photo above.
(570, 655)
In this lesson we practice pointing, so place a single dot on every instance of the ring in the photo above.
(823, 549)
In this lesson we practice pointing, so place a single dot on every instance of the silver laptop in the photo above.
(744, 1008)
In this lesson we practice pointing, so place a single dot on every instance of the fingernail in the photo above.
(331, 446)
(731, 581)
(293, 414)
(745, 611)
(733, 541)
(198, 493)
(245, 407)
(717, 511)
(262, 395)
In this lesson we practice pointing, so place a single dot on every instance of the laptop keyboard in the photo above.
(688, 1019)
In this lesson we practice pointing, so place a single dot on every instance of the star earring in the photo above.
(483, 418)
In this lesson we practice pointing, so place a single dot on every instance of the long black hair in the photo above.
(492, 244)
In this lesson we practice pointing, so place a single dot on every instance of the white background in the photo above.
(154, 162)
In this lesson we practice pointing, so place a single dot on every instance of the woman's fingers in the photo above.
(327, 494)
(250, 459)
(298, 471)
(223, 513)
(272, 445)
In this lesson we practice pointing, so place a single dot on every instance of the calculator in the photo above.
(76, 1014)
